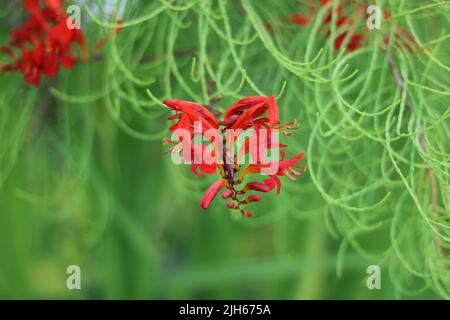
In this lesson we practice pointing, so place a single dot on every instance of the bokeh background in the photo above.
(84, 179)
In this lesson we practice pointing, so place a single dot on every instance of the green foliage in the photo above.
(83, 179)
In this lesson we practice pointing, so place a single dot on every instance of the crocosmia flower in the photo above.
(44, 43)
(342, 22)
(235, 148)
(345, 15)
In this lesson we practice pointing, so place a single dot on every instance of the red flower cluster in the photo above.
(344, 22)
(44, 41)
(255, 113)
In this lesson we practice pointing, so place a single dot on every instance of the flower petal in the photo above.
(68, 61)
(249, 109)
(300, 19)
(273, 182)
(256, 186)
(194, 111)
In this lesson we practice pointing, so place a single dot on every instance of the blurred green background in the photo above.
(84, 179)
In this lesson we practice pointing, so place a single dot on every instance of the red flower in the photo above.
(344, 22)
(354, 43)
(255, 115)
(301, 19)
(36, 62)
(187, 113)
(246, 113)
(45, 41)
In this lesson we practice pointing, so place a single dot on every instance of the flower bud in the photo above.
(227, 193)
(257, 186)
(231, 205)
(211, 193)
(247, 213)
(253, 198)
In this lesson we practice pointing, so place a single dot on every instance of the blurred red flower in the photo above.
(45, 41)
(342, 22)
(345, 21)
